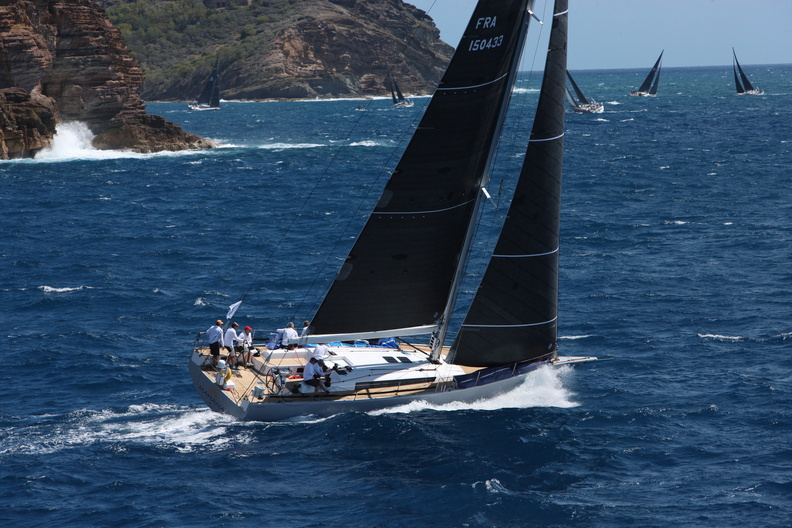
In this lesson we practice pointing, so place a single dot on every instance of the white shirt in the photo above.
(289, 333)
(311, 369)
(320, 351)
(231, 337)
(244, 337)
(304, 331)
(215, 334)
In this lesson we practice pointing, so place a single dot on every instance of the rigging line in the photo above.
(303, 207)
(389, 163)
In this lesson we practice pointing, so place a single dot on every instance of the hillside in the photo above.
(272, 49)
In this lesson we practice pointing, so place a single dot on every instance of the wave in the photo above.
(73, 141)
(283, 146)
(178, 427)
(543, 387)
(52, 289)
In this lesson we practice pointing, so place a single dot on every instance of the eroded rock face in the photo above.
(62, 60)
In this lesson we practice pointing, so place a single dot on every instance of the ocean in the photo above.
(675, 270)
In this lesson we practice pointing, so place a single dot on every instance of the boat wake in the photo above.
(543, 387)
(162, 426)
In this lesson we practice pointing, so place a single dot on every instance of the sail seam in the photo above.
(475, 85)
(421, 212)
(554, 319)
(546, 139)
(527, 255)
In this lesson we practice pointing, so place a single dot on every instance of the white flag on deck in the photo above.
(232, 309)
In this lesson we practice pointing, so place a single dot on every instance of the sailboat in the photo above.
(399, 100)
(745, 87)
(581, 104)
(210, 96)
(649, 87)
(397, 289)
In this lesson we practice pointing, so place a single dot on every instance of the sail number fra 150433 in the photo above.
(484, 44)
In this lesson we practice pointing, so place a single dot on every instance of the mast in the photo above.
(402, 270)
(514, 313)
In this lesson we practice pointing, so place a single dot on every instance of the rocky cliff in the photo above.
(63, 60)
(283, 50)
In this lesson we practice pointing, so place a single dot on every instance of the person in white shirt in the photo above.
(215, 335)
(312, 375)
(246, 342)
(319, 353)
(231, 344)
(288, 336)
(305, 330)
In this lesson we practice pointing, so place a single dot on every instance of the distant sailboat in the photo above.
(210, 96)
(745, 87)
(581, 104)
(649, 87)
(398, 98)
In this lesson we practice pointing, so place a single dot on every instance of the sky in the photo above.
(613, 34)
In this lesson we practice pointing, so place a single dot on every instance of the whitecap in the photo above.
(718, 337)
(52, 289)
(283, 146)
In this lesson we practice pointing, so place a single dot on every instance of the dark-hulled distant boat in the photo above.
(386, 316)
(581, 104)
(210, 96)
(741, 82)
(398, 97)
(649, 87)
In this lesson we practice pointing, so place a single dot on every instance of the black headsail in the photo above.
(647, 84)
(746, 84)
(514, 313)
(402, 270)
(581, 98)
(210, 95)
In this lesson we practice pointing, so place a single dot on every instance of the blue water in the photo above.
(676, 246)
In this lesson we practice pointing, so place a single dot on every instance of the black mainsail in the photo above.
(397, 95)
(649, 86)
(745, 87)
(578, 92)
(514, 313)
(402, 271)
(210, 95)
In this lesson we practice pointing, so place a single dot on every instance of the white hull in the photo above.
(243, 403)
(593, 108)
(203, 107)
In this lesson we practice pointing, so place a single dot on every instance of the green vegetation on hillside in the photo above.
(176, 40)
